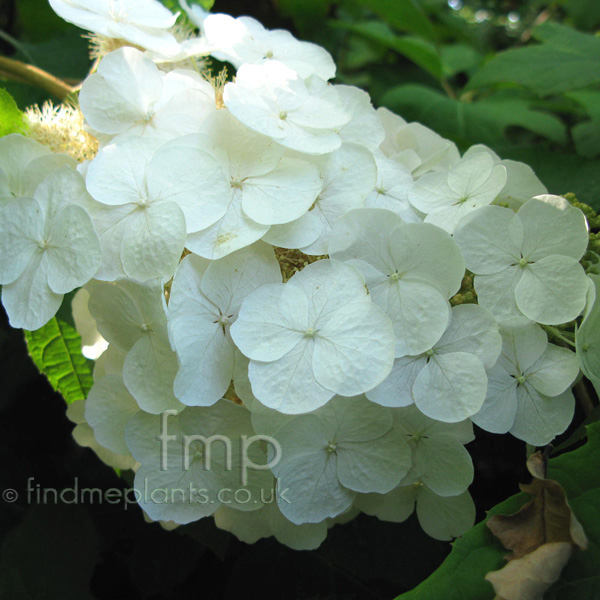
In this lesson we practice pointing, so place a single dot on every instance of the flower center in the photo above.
(331, 446)
(283, 115)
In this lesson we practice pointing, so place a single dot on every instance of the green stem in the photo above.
(557, 334)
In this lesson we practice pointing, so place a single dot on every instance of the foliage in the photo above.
(56, 350)
(461, 575)
(11, 118)
(482, 74)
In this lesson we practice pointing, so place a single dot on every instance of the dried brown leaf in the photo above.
(541, 535)
(529, 577)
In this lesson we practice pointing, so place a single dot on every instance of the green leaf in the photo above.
(460, 577)
(417, 50)
(56, 351)
(589, 100)
(560, 172)
(12, 119)
(459, 58)
(404, 15)
(566, 60)
(586, 14)
(587, 138)
(307, 15)
(466, 123)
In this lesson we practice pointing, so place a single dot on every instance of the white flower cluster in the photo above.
(272, 265)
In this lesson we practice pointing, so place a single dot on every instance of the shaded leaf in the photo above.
(587, 138)
(566, 60)
(459, 58)
(589, 100)
(469, 123)
(419, 51)
(560, 172)
(404, 15)
(56, 351)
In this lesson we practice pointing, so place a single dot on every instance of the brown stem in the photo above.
(583, 397)
(448, 89)
(35, 76)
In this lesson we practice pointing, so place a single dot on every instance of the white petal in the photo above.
(29, 301)
(21, 231)
(431, 192)
(418, 311)
(121, 310)
(229, 280)
(554, 372)
(354, 419)
(154, 241)
(552, 290)
(282, 195)
(205, 369)
(523, 343)
(349, 175)
(395, 506)
(271, 322)
(310, 478)
(500, 407)
(328, 284)
(117, 175)
(490, 239)
(364, 234)
(477, 178)
(374, 466)
(234, 231)
(445, 518)
(74, 253)
(110, 105)
(148, 373)
(522, 184)
(451, 387)
(426, 252)
(540, 418)
(107, 409)
(192, 179)
(288, 384)
(396, 389)
(354, 349)
(297, 234)
(472, 329)
(552, 226)
(445, 466)
(497, 292)
(365, 127)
